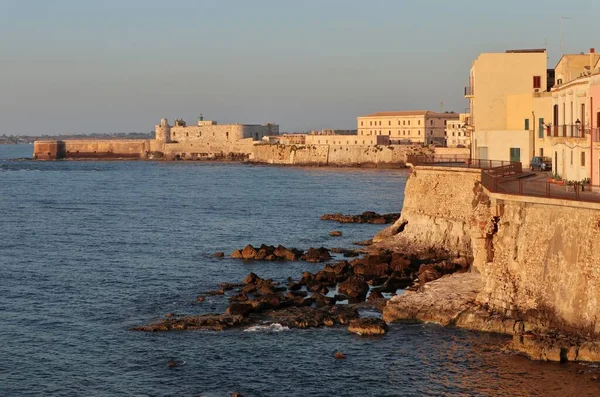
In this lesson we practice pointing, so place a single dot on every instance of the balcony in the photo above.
(566, 131)
(469, 92)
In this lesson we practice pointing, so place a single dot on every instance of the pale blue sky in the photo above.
(81, 66)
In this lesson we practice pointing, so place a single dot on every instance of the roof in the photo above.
(528, 50)
(412, 113)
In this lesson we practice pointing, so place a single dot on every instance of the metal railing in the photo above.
(541, 188)
(566, 131)
(460, 161)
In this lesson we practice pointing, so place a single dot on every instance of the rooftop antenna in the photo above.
(562, 19)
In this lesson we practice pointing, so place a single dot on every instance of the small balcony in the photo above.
(566, 131)
(469, 92)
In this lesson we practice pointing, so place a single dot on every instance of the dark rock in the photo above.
(213, 322)
(320, 288)
(363, 243)
(302, 294)
(171, 363)
(230, 286)
(337, 268)
(219, 254)
(241, 297)
(236, 394)
(355, 287)
(214, 293)
(375, 295)
(249, 252)
(399, 263)
(339, 356)
(365, 217)
(293, 286)
(394, 283)
(317, 255)
(351, 254)
(239, 309)
(251, 278)
(326, 278)
(427, 273)
(307, 277)
(308, 317)
(335, 233)
(371, 271)
(340, 297)
(237, 254)
(368, 326)
(322, 300)
(200, 298)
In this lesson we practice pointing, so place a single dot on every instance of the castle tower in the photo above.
(162, 132)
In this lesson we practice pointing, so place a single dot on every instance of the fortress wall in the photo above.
(195, 148)
(208, 133)
(91, 149)
(335, 155)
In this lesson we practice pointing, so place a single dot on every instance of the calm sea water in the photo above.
(90, 249)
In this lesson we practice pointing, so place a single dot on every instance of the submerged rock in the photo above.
(317, 255)
(354, 287)
(339, 356)
(335, 233)
(368, 326)
(212, 322)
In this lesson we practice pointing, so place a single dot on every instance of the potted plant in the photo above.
(556, 179)
(584, 182)
(570, 186)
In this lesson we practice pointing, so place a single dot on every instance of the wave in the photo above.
(275, 327)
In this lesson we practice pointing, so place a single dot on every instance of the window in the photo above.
(445, 122)
(227, 134)
(571, 157)
(398, 122)
(380, 123)
(452, 133)
(515, 154)
(389, 132)
(431, 122)
(390, 122)
(403, 122)
(361, 123)
(408, 122)
(537, 82)
(419, 122)
(583, 159)
(541, 128)
(356, 142)
(526, 124)
(541, 152)
(419, 132)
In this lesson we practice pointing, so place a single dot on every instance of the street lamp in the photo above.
(578, 125)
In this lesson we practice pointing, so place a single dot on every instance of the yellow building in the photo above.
(419, 126)
(505, 105)
(457, 133)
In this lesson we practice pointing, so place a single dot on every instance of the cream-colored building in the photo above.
(569, 135)
(503, 95)
(419, 126)
(457, 133)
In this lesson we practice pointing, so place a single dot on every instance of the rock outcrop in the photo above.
(365, 217)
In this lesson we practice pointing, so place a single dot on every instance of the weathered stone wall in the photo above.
(226, 133)
(538, 257)
(437, 212)
(91, 149)
(335, 155)
(545, 262)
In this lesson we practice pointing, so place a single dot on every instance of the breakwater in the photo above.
(536, 259)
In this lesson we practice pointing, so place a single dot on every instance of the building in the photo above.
(211, 132)
(506, 104)
(420, 126)
(457, 133)
(570, 133)
(347, 140)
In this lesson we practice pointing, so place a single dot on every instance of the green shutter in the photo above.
(526, 124)
(541, 128)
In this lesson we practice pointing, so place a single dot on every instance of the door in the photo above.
(515, 155)
(483, 152)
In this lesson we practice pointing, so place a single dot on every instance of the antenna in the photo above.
(562, 19)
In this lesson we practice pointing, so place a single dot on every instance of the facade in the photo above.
(571, 136)
(210, 131)
(457, 133)
(503, 95)
(421, 127)
(347, 140)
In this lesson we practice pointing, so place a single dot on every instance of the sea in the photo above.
(90, 249)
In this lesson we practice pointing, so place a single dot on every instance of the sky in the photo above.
(75, 66)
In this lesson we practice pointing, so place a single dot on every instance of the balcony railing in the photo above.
(469, 91)
(566, 131)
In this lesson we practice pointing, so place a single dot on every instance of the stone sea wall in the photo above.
(537, 260)
(336, 155)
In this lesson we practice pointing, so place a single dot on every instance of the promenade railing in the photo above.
(457, 161)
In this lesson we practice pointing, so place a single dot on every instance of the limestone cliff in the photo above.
(537, 260)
